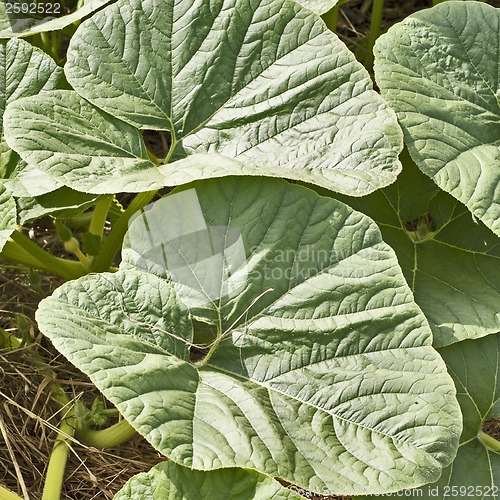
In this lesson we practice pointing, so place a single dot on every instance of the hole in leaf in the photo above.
(421, 228)
(158, 142)
(197, 353)
(492, 428)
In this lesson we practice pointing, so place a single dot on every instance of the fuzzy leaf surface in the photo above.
(24, 71)
(169, 480)
(92, 151)
(450, 259)
(439, 70)
(320, 367)
(475, 472)
(7, 215)
(262, 83)
(62, 202)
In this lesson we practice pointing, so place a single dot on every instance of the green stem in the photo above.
(86, 262)
(6, 494)
(104, 259)
(13, 252)
(375, 27)
(55, 45)
(331, 17)
(435, 2)
(46, 42)
(107, 438)
(489, 442)
(109, 412)
(99, 216)
(154, 158)
(81, 220)
(41, 259)
(59, 456)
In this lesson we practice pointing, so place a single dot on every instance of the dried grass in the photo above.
(29, 416)
(492, 428)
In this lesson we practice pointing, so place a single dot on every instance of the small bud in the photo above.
(72, 245)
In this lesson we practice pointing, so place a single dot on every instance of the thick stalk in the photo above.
(99, 216)
(375, 28)
(489, 442)
(65, 268)
(104, 259)
(57, 463)
(6, 494)
(111, 437)
(13, 252)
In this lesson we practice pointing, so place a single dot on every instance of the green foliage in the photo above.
(271, 88)
(7, 215)
(439, 70)
(475, 368)
(255, 329)
(24, 71)
(475, 472)
(169, 480)
(450, 259)
(318, 349)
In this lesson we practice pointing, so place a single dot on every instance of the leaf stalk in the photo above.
(6, 494)
(58, 458)
(99, 216)
(489, 442)
(24, 251)
(110, 437)
(375, 29)
(104, 259)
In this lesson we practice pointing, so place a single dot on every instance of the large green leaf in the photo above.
(264, 83)
(439, 70)
(475, 368)
(24, 71)
(450, 260)
(475, 472)
(7, 215)
(169, 480)
(319, 368)
(63, 202)
(52, 18)
(320, 6)
(92, 151)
